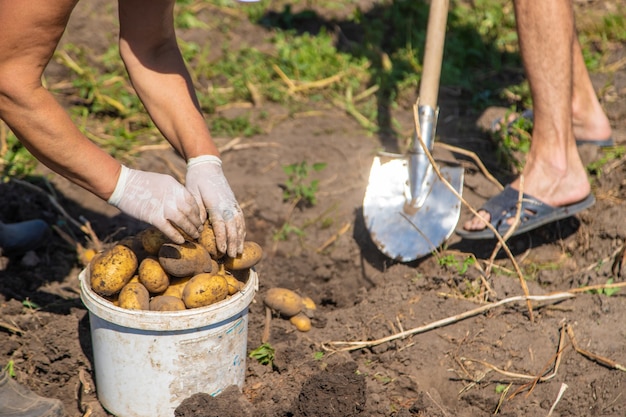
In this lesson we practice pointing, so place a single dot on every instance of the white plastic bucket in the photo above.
(147, 362)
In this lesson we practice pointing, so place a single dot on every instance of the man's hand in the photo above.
(159, 200)
(206, 182)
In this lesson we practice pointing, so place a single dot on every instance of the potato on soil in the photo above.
(286, 302)
(166, 303)
(134, 296)
(152, 239)
(301, 321)
(251, 255)
(153, 276)
(184, 260)
(309, 306)
(176, 287)
(112, 269)
(205, 289)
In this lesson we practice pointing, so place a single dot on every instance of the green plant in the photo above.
(286, 230)
(451, 261)
(238, 126)
(297, 187)
(606, 291)
(17, 161)
(186, 15)
(318, 356)
(102, 90)
(30, 304)
(609, 154)
(264, 354)
(10, 369)
(500, 388)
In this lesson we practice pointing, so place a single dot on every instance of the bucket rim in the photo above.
(189, 319)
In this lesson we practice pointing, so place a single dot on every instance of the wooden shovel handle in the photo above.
(433, 53)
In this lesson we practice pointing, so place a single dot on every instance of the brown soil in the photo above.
(457, 369)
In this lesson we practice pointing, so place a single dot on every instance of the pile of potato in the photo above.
(149, 272)
(291, 305)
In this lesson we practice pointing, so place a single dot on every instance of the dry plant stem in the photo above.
(598, 287)
(349, 108)
(365, 94)
(542, 376)
(534, 379)
(10, 328)
(476, 159)
(334, 237)
(502, 397)
(345, 345)
(558, 398)
(616, 66)
(293, 88)
(87, 230)
(66, 237)
(507, 235)
(609, 363)
(257, 97)
(241, 146)
(474, 212)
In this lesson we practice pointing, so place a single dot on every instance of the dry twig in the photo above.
(347, 346)
(476, 160)
(334, 237)
(85, 227)
(609, 363)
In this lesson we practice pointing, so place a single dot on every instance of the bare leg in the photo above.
(553, 172)
(590, 121)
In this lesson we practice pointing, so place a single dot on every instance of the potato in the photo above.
(135, 244)
(166, 303)
(85, 255)
(153, 276)
(152, 239)
(301, 321)
(309, 304)
(309, 307)
(112, 269)
(134, 296)
(207, 240)
(251, 255)
(184, 260)
(205, 289)
(176, 287)
(284, 301)
(234, 285)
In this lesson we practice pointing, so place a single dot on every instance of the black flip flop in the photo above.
(534, 214)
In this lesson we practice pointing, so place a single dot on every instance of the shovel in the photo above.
(408, 210)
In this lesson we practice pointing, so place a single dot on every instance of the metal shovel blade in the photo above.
(407, 233)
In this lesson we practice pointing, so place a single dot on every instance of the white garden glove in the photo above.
(157, 199)
(205, 180)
